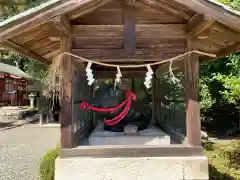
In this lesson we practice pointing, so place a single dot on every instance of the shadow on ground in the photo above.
(5, 125)
(214, 174)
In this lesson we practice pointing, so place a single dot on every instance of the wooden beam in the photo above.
(51, 54)
(148, 54)
(17, 29)
(118, 43)
(194, 22)
(201, 28)
(66, 109)
(61, 25)
(23, 51)
(87, 9)
(66, 114)
(158, 31)
(129, 26)
(230, 49)
(154, 97)
(193, 121)
(166, 8)
(224, 52)
(215, 11)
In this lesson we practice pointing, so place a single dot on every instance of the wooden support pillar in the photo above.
(66, 115)
(193, 121)
(154, 104)
(129, 27)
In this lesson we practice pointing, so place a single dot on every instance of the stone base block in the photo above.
(140, 168)
(150, 136)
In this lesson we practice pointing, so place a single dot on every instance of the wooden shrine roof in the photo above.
(161, 25)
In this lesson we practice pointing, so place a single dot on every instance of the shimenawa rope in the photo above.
(140, 65)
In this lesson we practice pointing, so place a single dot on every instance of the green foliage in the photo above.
(15, 59)
(48, 164)
(223, 164)
(233, 3)
(231, 152)
(13, 7)
(220, 93)
(232, 88)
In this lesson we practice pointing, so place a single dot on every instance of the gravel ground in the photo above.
(21, 149)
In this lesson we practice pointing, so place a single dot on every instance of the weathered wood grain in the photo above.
(87, 8)
(194, 22)
(23, 51)
(33, 34)
(51, 47)
(61, 25)
(168, 8)
(224, 51)
(201, 27)
(66, 112)
(101, 17)
(117, 43)
(146, 14)
(42, 18)
(214, 11)
(113, 14)
(150, 54)
(191, 84)
(142, 31)
(129, 27)
(52, 54)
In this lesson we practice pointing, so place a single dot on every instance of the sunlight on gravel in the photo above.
(21, 149)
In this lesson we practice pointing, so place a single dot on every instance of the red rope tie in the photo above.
(111, 122)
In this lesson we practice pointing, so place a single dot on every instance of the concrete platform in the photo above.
(114, 156)
(150, 136)
(127, 168)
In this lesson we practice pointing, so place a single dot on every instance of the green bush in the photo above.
(47, 164)
(224, 161)
(231, 152)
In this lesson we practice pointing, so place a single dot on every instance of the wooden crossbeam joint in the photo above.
(198, 24)
(62, 25)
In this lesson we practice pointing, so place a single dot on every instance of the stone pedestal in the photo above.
(140, 168)
(150, 136)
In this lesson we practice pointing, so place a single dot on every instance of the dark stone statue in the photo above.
(138, 114)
